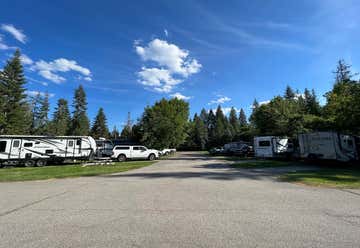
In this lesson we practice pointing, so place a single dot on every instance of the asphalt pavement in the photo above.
(189, 200)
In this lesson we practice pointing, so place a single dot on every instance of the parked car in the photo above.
(217, 151)
(125, 152)
(166, 152)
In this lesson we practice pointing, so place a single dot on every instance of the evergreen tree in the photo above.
(80, 121)
(114, 133)
(40, 112)
(15, 115)
(289, 93)
(234, 122)
(204, 116)
(255, 104)
(200, 133)
(221, 131)
(126, 133)
(242, 119)
(343, 72)
(211, 123)
(99, 128)
(61, 120)
(312, 105)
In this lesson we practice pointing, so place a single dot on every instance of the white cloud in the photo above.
(17, 33)
(160, 79)
(180, 96)
(89, 79)
(49, 70)
(26, 60)
(264, 102)
(170, 56)
(221, 99)
(174, 65)
(33, 93)
(166, 32)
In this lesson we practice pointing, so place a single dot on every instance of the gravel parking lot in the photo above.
(189, 200)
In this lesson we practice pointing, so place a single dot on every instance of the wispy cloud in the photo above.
(15, 32)
(4, 46)
(166, 33)
(220, 100)
(49, 70)
(26, 60)
(180, 96)
(33, 93)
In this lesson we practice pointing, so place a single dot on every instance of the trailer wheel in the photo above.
(151, 157)
(121, 158)
(40, 163)
(29, 163)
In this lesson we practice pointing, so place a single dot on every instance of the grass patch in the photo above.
(63, 171)
(338, 178)
(261, 164)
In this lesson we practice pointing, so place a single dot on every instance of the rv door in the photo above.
(15, 149)
(70, 148)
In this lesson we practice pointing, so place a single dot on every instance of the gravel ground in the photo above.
(187, 201)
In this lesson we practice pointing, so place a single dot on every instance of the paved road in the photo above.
(188, 201)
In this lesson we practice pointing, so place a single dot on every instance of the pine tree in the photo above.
(242, 119)
(61, 120)
(234, 122)
(114, 133)
(204, 116)
(16, 116)
(220, 127)
(211, 123)
(289, 93)
(343, 72)
(80, 121)
(200, 133)
(312, 105)
(126, 133)
(255, 104)
(40, 112)
(99, 128)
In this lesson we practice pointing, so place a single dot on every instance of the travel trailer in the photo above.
(272, 147)
(39, 150)
(328, 145)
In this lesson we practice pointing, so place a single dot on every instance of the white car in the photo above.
(166, 152)
(124, 152)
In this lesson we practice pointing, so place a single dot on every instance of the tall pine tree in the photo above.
(80, 121)
(61, 120)
(242, 119)
(99, 128)
(40, 112)
(15, 115)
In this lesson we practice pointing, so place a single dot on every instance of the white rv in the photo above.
(328, 145)
(38, 150)
(272, 146)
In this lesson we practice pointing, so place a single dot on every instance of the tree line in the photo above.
(167, 122)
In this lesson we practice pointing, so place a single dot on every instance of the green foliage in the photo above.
(80, 121)
(289, 93)
(126, 133)
(15, 117)
(40, 110)
(99, 128)
(61, 122)
(164, 124)
(114, 133)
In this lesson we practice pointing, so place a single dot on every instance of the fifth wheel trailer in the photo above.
(38, 150)
(329, 145)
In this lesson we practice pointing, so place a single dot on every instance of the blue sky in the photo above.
(128, 54)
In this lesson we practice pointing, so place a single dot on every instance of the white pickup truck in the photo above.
(124, 152)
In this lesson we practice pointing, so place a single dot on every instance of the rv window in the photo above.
(49, 151)
(78, 142)
(28, 144)
(2, 146)
(122, 148)
(264, 143)
(136, 148)
(16, 143)
(70, 143)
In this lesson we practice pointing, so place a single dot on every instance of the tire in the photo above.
(151, 157)
(29, 163)
(167, 153)
(121, 158)
(41, 163)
